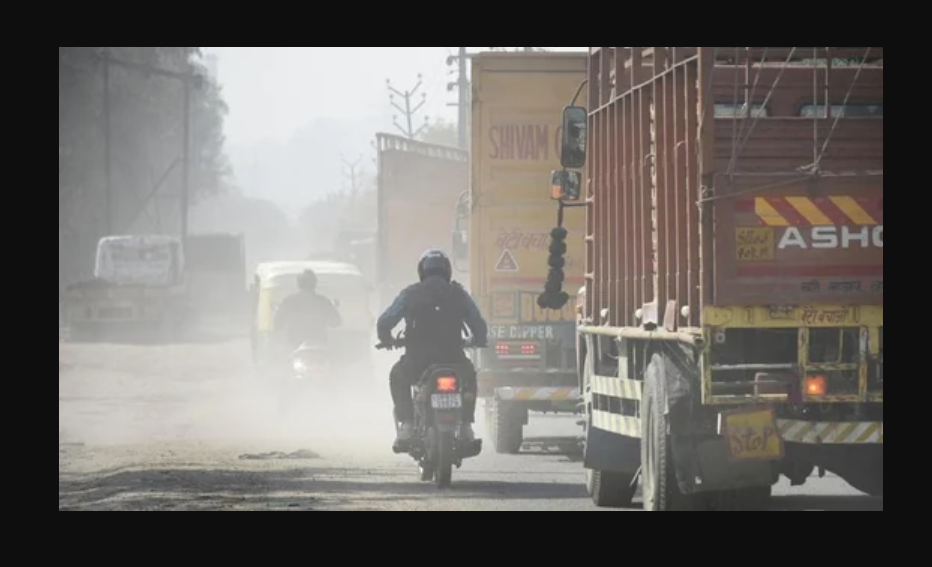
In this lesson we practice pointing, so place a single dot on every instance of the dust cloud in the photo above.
(124, 395)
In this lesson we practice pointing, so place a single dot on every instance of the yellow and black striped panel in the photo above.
(823, 211)
(815, 433)
(617, 388)
(617, 424)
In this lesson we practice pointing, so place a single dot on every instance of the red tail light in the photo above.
(529, 349)
(446, 384)
(517, 349)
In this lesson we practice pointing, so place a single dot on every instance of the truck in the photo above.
(159, 287)
(216, 279)
(419, 185)
(516, 143)
(732, 320)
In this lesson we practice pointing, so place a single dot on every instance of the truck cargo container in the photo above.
(531, 363)
(733, 314)
(419, 186)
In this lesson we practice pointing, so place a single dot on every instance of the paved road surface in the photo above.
(183, 428)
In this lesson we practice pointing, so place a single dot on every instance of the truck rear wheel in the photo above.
(660, 486)
(507, 426)
(869, 483)
(610, 489)
(756, 499)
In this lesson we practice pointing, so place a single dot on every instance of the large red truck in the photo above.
(732, 322)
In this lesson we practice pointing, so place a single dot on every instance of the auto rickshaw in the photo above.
(342, 283)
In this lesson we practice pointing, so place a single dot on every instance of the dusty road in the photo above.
(184, 428)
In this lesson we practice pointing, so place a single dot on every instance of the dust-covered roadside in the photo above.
(190, 427)
(186, 428)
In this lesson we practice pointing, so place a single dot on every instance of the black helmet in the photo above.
(435, 263)
(307, 281)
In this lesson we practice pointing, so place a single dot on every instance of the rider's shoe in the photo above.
(405, 435)
(467, 434)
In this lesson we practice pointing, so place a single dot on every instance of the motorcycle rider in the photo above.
(435, 311)
(305, 316)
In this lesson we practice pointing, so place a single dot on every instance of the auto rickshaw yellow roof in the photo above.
(270, 271)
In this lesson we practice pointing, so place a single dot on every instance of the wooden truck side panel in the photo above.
(695, 201)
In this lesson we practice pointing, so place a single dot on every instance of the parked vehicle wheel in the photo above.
(610, 490)
(507, 428)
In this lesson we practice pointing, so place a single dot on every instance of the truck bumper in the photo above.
(564, 400)
(815, 433)
(522, 381)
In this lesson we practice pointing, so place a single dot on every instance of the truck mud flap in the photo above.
(702, 463)
(608, 452)
(706, 466)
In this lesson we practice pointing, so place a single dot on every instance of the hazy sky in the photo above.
(295, 112)
(274, 91)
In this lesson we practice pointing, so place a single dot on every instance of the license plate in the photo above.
(447, 401)
(753, 435)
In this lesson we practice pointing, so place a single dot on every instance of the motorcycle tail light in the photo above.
(446, 384)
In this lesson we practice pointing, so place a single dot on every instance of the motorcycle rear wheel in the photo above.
(445, 449)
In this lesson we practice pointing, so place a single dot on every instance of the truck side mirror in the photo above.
(575, 137)
(566, 185)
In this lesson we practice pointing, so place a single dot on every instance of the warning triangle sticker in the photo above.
(507, 262)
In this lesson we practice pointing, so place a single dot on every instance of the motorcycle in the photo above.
(309, 364)
(438, 410)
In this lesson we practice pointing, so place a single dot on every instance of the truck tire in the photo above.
(507, 428)
(755, 499)
(610, 489)
(660, 486)
(868, 484)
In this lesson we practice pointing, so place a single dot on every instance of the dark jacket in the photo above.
(305, 317)
(435, 314)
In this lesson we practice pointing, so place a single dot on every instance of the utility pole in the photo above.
(462, 85)
(108, 151)
(353, 177)
(186, 162)
(407, 109)
(189, 81)
(350, 173)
